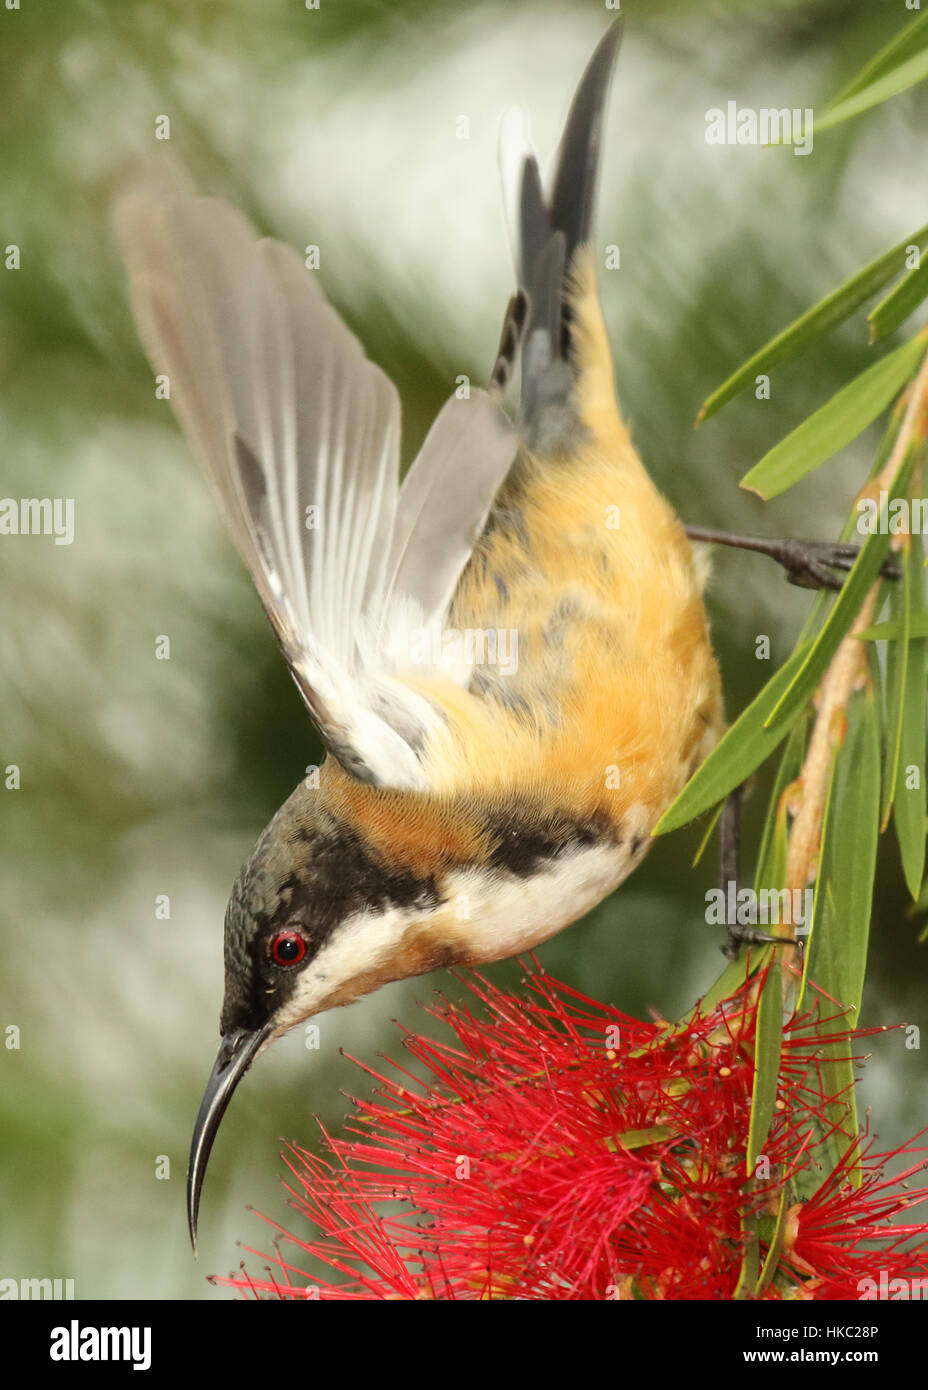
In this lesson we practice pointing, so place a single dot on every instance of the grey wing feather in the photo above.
(299, 433)
(255, 351)
(445, 499)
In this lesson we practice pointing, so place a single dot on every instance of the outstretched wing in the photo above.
(299, 433)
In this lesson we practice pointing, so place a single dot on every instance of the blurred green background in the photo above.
(141, 777)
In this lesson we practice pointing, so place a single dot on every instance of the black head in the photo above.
(309, 875)
(281, 911)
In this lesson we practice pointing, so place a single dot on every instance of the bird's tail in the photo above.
(549, 232)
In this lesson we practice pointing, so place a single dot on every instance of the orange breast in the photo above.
(611, 694)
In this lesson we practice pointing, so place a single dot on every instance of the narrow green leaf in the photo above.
(892, 631)
(817, 321)
(901, 301)
(741, 749)
(917, 908)
(706, 837)
(910, 39)
(819, 653)
(640, 1138)
(837, 948)
(897, 659)
(837, 953)
(891, 84)
(841, 419)
(876, 683)
(866, 568)
(768, 1042)
(748, 742)
(750, 1259)
(909, 806)
(771, 856)
(775, 1249)
(887, 443)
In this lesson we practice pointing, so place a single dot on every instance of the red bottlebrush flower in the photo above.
(562, 1150)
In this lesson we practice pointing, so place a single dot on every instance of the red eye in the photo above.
(288, 948)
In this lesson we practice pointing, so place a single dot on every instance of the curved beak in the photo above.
(236, 1052)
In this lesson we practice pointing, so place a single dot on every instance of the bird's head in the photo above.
(316, 918)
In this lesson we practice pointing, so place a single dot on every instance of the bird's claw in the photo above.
(809, 564)
(750, 936)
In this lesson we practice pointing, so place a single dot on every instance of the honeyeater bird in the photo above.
(507, 655)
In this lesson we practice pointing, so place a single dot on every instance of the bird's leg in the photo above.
(807, 563)
(739, 934)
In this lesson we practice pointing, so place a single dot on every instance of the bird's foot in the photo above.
(809, 564)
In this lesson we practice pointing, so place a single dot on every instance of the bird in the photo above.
(507, 655)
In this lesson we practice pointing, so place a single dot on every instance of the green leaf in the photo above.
(876, 683)
(910, 39)
(818, 654)
(897, 658)
(892, 631)
(837, 955)
(749, 742)
(640, 1138)
(903, 300)
(768, 1042)
(891, 84)
(836, 958)
(909, 806)
(750, 1259)
(817, 321)
(741, 749)
(887, 444)
(866, 568)
(771, 857)
(767, 1047)
(775, 1249)
(706, 837)
(836, 423)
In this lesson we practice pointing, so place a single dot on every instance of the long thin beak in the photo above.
(233, 1059)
